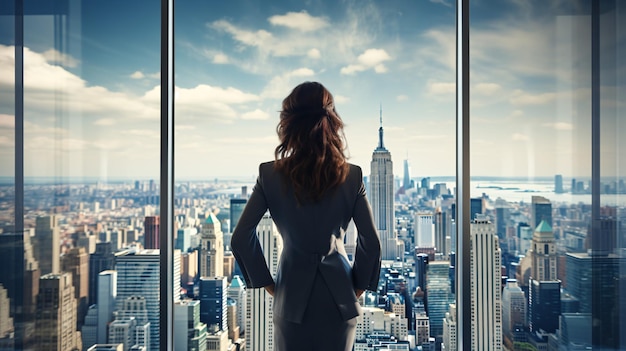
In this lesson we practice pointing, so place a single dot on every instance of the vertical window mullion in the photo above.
(166, 213)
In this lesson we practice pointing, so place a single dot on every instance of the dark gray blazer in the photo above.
(313, 236)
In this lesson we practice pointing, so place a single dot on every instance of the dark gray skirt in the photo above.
(322, 326)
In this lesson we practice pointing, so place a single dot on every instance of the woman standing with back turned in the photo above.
(312, 193)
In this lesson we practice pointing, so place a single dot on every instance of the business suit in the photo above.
(313, 267)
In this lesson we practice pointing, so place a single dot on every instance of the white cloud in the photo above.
(442, 2)
(560, 125)
(55, 57)
(439, 88)
(314, 53)
(486, 89)
(7, 121)
(371, 58)
(220, 58)
(299, 20)
(401, 98)
(255, 115)
(280, 86)
(517, 113)
(105, 122)
(521, 98)
(519, 137)
(340, 99)
(137, 75)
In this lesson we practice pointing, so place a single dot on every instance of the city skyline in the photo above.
(235, 62)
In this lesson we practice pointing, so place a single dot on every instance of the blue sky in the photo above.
(92, 105)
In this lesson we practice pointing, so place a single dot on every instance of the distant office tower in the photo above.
(424, 230)
(425, 183)
(151, 232)
(486, 286)
(47, 244)
(76, 262)
(233, 328)
(107, 292)
(236, 209)
(237, 292)
(183, 239)
(438, 295)
(406, 181)
(122, 331)
(381, 197)
(558, 184)
(89, 330)
(476, 207)
(189, 332)
(513, 309)
(441, 232)
(188, 267)
(421, 266)
(525, 235)
(55, 324)
(422, 328)
(544, 301)
(502, 219)
(6, 322)
(211, 248)
(134, 307)
(375, 321)
(594, 280)
(213, 296)
(259, 314)
(117, 239)
(543, 253)
(139, 275)
(541, 209)
(101, 260)
(21, 283)
(449, 330)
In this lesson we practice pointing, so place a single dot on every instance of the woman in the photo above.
(312, 193)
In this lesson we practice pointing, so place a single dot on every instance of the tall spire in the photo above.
(381, 145)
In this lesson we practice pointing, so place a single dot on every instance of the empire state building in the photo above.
(381, 198)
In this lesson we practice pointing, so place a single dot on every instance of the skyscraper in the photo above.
(138, 274)
(485, 288)
(449, 330)
(211, 248)
(107, 292)
(213, 296)
(259, 314)
(236, 209)
(189, 332)
(438, 295)
(424, 230)
(76, 262)
(6, 322)
(558, 184)
(541, 209)
(544, 301)
(47, 244)
(237, 292)
(406, 181)
(513, 308)
(101, 260)
(543, 253)
(151, 226)
(381, 196)
(441, 233)
(476, 207)
(55, 326)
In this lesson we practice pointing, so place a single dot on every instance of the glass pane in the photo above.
(235, 62)
(541, 279)
(89, 273)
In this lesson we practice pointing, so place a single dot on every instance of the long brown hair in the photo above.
(311, 149)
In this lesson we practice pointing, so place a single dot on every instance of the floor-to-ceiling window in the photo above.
(80, 186)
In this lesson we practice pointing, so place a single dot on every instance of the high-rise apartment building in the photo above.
(189, 332)
(381, 196)
(259, 314)
(424, 230)
(138, 273)
(449, 330)
(151, 226)
(211, 248)
(237, 292)
(543, 253)
(47, 244)
(485, 286)
(55, 323)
